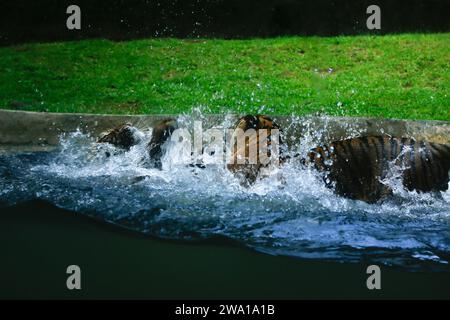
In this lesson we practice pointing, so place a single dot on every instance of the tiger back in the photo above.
(356, 167)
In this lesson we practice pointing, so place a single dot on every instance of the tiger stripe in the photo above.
(360, 163)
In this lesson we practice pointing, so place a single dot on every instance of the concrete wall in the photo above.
(34, 131)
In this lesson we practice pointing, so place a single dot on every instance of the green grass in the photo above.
(396, 76)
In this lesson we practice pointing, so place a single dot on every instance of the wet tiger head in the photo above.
(253, 150)
(256, 122)
(123, 136)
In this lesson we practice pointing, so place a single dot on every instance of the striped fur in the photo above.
(356, 166)
(121, 136)
(248, 172)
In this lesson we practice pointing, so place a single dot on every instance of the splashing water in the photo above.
(289, 212)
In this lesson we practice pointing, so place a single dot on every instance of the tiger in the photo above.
(354, 168)
(357, 167)
(160, 134)
(124, 136)
(248, 171)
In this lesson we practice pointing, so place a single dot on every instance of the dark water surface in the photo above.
(39, 241)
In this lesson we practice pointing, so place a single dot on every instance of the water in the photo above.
(289, 212)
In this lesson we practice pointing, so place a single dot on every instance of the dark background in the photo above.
(45, 20)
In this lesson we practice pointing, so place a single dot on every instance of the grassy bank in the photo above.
(398, 76)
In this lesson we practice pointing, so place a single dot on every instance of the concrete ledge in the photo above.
(35, 130)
